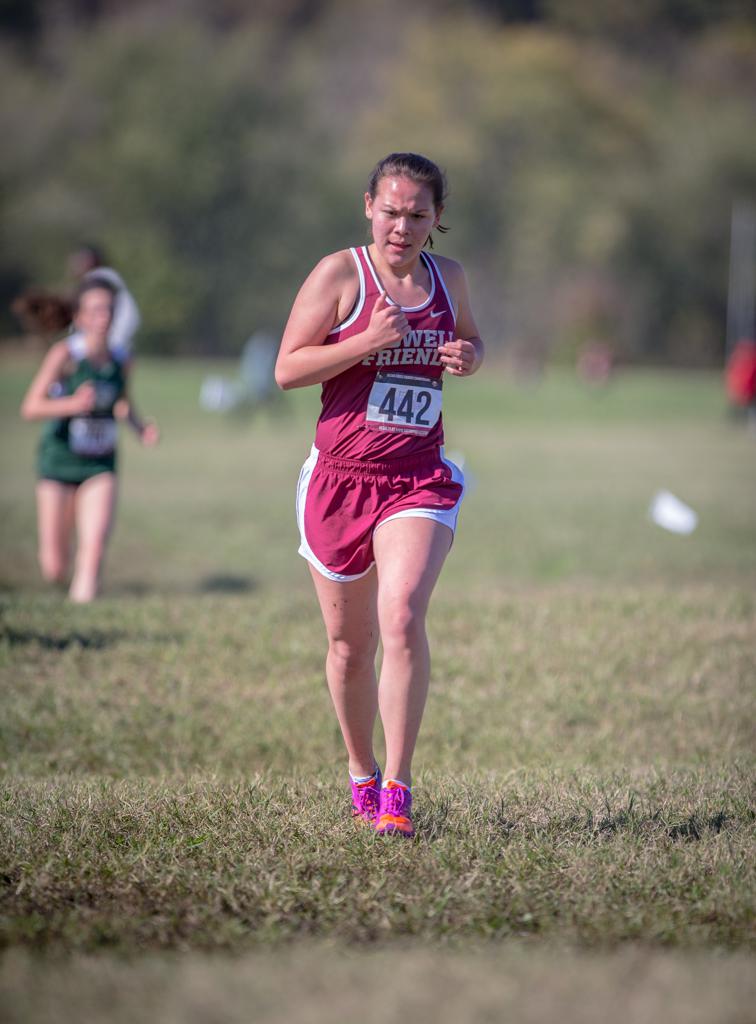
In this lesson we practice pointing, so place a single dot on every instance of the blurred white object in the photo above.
(459, 459)
(257, 366)
(672, 514)
(255, 384)
(218, 394)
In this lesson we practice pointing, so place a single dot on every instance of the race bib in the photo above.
(403, 403)
(92, 436)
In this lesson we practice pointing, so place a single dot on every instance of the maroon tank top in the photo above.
(388, 406)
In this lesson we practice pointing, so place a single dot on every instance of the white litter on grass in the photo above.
(672, 514)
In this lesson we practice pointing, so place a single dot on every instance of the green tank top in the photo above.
(73, 449)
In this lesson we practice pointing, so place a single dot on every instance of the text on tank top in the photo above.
(388, 406)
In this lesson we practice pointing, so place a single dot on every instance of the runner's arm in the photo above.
(37, 403)
(303, 359)
(463, 356)
(124, 409)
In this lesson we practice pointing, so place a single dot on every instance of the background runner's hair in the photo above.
(94, 252)
(42, 312)
(89, 285)
(416, 168)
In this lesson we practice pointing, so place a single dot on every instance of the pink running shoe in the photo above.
(395, 810)
(366, 797)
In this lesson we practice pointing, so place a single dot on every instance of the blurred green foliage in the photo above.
(217, 151)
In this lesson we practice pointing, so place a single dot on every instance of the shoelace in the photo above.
(370, 800)
(394, 801)
(368, 795)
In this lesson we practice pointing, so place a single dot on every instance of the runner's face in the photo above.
(402, 216)
(95, 313)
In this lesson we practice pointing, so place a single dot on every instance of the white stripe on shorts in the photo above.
(447, 517)
(304, 546)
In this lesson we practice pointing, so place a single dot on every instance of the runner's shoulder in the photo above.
(56, 365)
(453, 274)
(335, 279)
(449, 268)
(59, 355)
(337, 268)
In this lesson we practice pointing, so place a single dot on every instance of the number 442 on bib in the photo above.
(404, 403)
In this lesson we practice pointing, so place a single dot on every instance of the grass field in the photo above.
(172, 839)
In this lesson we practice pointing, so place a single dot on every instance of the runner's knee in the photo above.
(351, 656)
(402, 623)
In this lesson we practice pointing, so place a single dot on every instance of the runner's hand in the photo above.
(149, 434)
(458, 357)
(83, 400)
(387, 326)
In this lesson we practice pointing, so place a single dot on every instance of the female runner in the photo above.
(377, 500)
(80, 389)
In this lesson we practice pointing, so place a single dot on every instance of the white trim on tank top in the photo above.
(452, 310)
(360, 301)
(382, 290)
(77, 349)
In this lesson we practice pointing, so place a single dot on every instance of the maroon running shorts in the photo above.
(342, 502)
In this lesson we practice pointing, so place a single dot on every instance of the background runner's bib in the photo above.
(404, 404)
(92, 435)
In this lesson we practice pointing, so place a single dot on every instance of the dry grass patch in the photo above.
(660, 858)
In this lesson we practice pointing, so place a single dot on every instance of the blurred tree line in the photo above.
(216, 151)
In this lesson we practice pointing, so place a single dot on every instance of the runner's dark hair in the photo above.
(92, 282)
